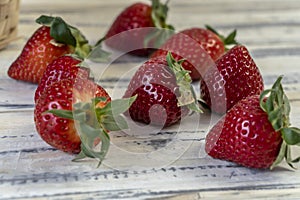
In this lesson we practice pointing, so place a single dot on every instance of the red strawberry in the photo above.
(74, 115)
(198, 46)
(52, 40)
(235, 77)
(163, 98)
(64, 67)
(130, 23)
(57, 131)
(30, 65)
(255, 132)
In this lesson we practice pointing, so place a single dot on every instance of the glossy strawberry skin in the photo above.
(37, 53)
(128, 22)
(245, 136)
(235, 77)
(157, 92)
(137, 15)
(60, 132)
(197, 45)
(64, 67)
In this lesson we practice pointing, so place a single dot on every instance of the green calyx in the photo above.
(187, 96)
(97, 53)
(93, 122)
(277, 106)
(159, 14)
(63, 33)
(228, 40)
(163, 31)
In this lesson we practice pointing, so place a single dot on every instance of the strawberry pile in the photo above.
(75, 115)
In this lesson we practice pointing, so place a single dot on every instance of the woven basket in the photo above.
(9, 18)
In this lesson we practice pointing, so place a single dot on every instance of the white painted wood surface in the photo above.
(170, 163)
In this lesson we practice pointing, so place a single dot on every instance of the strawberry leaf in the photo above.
(93, 122)
(88, 136)
(277, 106)
(45, 20)
(280, 156)
(99, 55)
(157, 37)
(229, 40)
(110, 116)
(183, 79)
(63, 33)
(116, 107)
(159, 14)
(291, 135)
(82, 48)
(59, 29)
(114, 123)
(119, 106)
(68, 114)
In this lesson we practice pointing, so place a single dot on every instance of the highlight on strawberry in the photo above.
(164, 92)
(233, 77)
(53, 39)
(139, 26)
(256, 132)
(64, 67)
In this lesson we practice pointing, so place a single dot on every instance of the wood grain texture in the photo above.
(148, 163)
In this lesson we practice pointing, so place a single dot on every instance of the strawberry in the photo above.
(235, 77)
(50, 41)
(164, 92)
(128, 27)
(73, 116)
(64, 67)
(198, 46)
(255, 132)
(56, 131)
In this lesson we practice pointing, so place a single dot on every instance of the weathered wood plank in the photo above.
(153, 163)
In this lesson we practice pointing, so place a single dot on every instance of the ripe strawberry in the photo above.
(64, 67)
(198, 46)
(129, 24)
(255, 132)
(164, 92)
(59, 132)
(52, 40)
(74, 115)
(235, 77)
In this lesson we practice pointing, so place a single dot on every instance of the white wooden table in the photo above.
(170, 163)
